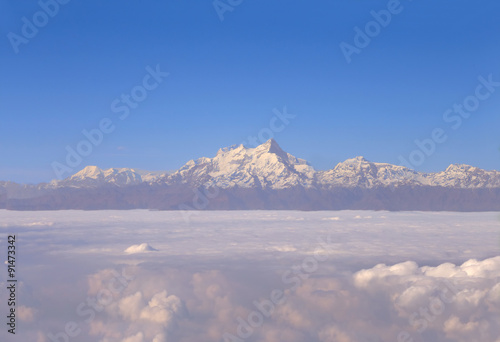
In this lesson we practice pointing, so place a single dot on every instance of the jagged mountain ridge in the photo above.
(264, 177)
(94, 176)
(268, 166)
(265, 166)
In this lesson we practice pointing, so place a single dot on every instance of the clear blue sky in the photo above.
(226, 77)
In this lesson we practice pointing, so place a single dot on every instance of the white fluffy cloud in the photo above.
(139, 337)
(162, 309)
(141, 248)
(131, 306)
(25, 313)
(146, 320)
(377, 279)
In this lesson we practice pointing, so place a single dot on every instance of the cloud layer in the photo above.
(258, 276)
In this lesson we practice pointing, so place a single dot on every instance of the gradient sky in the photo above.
(226, 77)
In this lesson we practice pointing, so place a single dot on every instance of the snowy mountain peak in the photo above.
(270, 146)
(357, 159)
(357, 163)
(230, 148)
(88, 172)
(92, 176)
(466, 176)
(460, 168)
(267, 166)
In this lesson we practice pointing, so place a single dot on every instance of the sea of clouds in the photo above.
(332, 276)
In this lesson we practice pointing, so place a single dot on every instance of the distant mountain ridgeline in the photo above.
(264, 177)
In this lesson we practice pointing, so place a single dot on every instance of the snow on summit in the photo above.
(267, 166)
(92, 175)
(264, 177)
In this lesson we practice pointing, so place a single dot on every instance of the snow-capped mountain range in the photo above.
(262, 177)
(92, 176)
(268, 166)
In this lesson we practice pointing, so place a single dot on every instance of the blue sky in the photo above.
(226, 77)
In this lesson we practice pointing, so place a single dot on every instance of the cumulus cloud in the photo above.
(131, 306)
(25, 313)
(446, 301)
(396, 302)
(374, 282)
(384, 274)
(143, 247)
(162, 309)
(333, 333)
(439, 303)
(146, 319)
(160, 338)
(139, 337)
